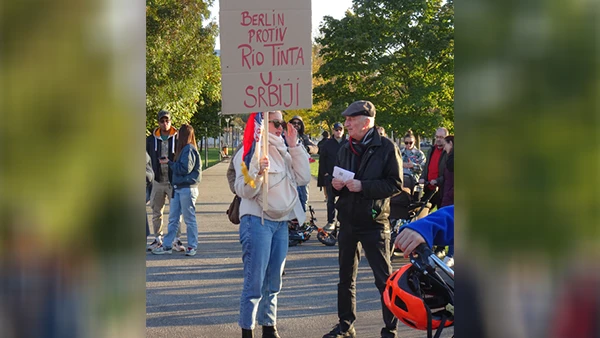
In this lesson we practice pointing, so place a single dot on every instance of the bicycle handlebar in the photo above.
(426, 260)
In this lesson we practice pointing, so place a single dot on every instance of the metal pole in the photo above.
(220, 159)
(206, 148)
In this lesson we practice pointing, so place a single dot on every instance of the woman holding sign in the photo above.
(267, 185)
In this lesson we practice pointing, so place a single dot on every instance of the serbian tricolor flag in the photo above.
(250, 156)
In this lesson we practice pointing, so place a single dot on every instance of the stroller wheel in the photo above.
(326, 239)
(321, 237)
(330, 241)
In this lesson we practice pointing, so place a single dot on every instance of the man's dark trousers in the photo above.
(330, 201)
(376, 244)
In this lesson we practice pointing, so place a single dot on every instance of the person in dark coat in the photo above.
(328, 155)
(363, 210)
(310, 147)
(448, 188)
(320, 182)
(434, 170)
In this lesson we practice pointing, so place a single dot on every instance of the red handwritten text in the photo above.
(270, 94)
(267, 34)
(262, 19)
(286, 56)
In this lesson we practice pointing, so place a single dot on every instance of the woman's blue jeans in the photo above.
(264, 249)
(183, 203)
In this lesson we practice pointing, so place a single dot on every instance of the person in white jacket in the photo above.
(265, 246)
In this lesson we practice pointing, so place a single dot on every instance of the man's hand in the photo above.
(163, 161)
(337, 184)
(421, 181)
(354, 185)
(433, 182)
(408, 240)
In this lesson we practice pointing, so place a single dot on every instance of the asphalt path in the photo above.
(199, 296)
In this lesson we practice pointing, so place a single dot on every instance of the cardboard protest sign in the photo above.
(265, 55)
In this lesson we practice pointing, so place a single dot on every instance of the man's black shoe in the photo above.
(388, 333)
(338, 333)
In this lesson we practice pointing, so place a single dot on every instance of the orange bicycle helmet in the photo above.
(419, 299)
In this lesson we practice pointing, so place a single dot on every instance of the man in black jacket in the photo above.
(363, 209)
(162, 144)
(327, 157)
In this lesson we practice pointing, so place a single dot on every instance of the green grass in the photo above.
(213, 157)
(314, 167)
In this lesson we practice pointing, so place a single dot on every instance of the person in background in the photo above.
(320, 182)
(310, 147)
(328, 155)
(413, 160)
(161, 144)
(186, 169)
(448, 188)
(434, 170)
(149, 179)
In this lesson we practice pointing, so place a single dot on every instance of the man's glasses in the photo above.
(407, 143)
(278, 123)
(339, 129)
(295, 123)
(164, 121)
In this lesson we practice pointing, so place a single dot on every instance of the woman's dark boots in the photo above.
(247, 333)
(270, 332)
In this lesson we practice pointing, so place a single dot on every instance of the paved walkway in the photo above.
(199, 296)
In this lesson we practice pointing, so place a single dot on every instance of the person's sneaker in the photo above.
(161, 250)
(338, 333)
(449, 261)
(178, 246)
(190, 252)
(329, 226)
(154, 244)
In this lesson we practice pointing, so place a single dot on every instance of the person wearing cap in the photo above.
(328, 155)
(310, 147)
(320, 182)
(161, 143)
(363, 209)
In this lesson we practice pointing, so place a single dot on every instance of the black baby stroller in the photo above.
(408, 206)
(300, 233)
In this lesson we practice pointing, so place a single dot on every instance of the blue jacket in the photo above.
(436, 228)
(186, 170)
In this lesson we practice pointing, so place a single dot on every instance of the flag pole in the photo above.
(265, 151)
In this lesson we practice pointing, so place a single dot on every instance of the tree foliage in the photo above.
(180, 63)
(399, 54)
